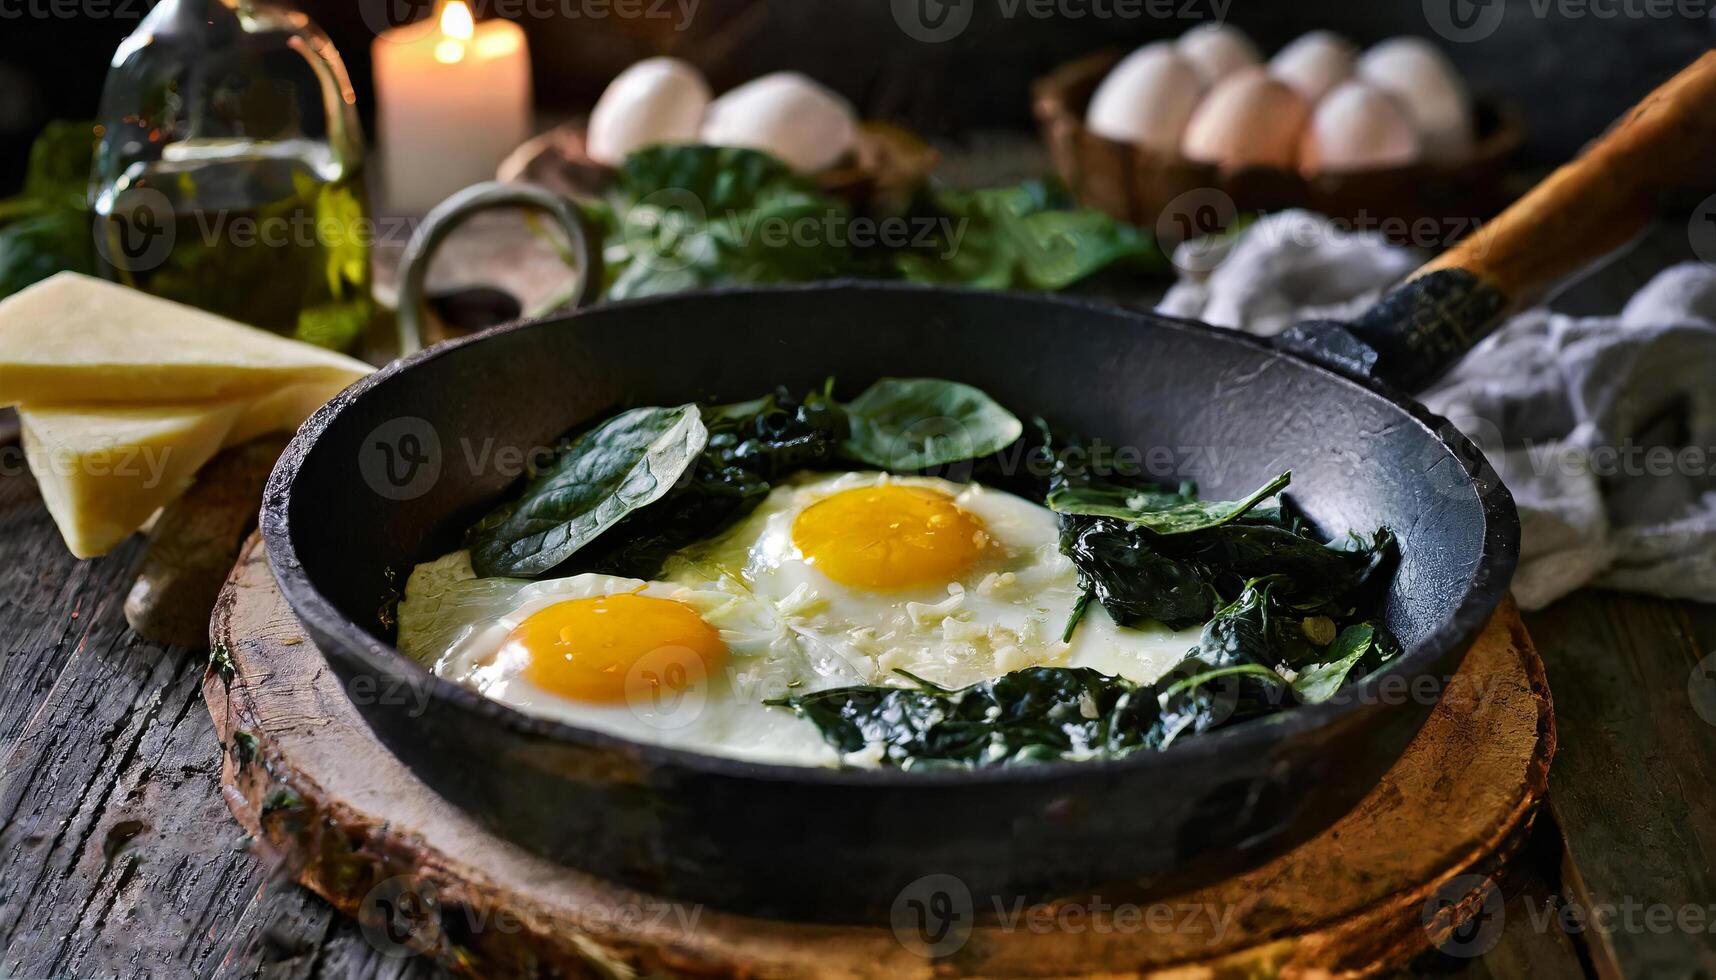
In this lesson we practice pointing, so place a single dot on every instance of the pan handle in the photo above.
(1592, 205)
(449, 214)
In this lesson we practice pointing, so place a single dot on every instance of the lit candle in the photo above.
(452, 100)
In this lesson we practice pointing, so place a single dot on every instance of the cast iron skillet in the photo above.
(391, 471)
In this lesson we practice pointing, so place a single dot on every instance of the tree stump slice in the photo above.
(1414, 865)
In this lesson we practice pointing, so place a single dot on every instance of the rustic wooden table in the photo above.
(118, 856)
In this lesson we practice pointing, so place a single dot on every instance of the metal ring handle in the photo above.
(446, 216)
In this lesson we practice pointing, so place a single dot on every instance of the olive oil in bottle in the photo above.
(270, 235)
(229, 174)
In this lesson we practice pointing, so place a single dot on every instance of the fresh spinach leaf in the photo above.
(1157, 511)
(916, 423)
(627, 462)
(1319, 682)
(1030, 236)
(683, 217)
(750, 445)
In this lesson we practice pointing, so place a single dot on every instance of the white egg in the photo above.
(460, 626)
(1147, 98)
(1314, 63)
(1418, 74)
(1004, 610)
(1248, 120)
(1217, 51)
(657, 100)
(1358, 127)
(786, 114)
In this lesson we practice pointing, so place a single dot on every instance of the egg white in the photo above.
(457, 623)
(790, 629)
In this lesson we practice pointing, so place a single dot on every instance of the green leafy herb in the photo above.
(917, 423)
(627, 462)
(1037, 714)
(1319, 682)
(683, 217)
(688, 216)
(1158, 511)
(48, 227)
(1024, 237)
(750, 445)
(647, 483)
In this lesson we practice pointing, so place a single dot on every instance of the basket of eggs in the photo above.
(804, 124)
(1183, 135)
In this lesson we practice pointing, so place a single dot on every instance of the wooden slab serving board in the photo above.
(1416, 864)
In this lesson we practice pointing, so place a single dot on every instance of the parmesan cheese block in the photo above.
(74, 340)
(282, 410)
(104, 470)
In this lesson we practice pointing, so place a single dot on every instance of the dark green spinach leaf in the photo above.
(1156, 510)
(904, 424)
(1031, 236)
(627, 462)
(1319, 682)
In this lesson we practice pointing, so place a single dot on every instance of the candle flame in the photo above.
(457, 27)
(456, 20)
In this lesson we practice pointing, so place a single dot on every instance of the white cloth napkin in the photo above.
(1604, 428)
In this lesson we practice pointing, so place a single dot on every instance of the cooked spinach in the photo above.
(917, 423)
(1037, 714)
(1157, 510)
(627, 462)
(751, 445)
(646, 483)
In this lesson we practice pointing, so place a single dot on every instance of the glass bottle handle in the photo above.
(449, 214)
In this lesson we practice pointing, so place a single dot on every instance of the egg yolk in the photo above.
(889, 537)
(623, 648)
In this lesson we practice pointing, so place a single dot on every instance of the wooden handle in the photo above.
(1598, 202)
(1421, 328)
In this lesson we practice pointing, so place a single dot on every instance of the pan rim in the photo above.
(1484, 592)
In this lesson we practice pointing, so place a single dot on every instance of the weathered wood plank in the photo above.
(1631, 786)
(117, 855)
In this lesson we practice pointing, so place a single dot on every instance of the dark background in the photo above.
(1570, 65)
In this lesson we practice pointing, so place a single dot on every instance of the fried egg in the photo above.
(835, 579)
(651, 661)
(954, 583)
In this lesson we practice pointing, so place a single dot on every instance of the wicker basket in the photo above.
(1182, 199)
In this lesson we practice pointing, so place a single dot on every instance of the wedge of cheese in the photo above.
(282, 410)
(75, 340)
(104, 470)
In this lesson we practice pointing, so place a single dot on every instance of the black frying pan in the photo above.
(383, 477)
